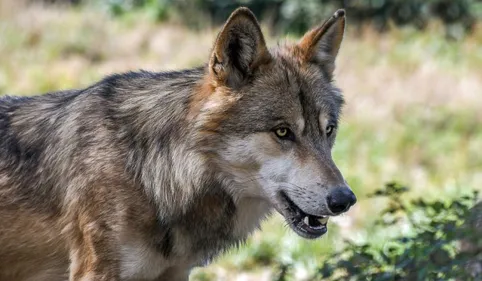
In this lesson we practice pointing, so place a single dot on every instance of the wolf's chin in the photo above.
(305, 225)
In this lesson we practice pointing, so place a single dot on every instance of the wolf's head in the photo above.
(270, 118)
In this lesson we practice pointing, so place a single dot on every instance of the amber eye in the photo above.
(284, 133)
(329, 130)
(281, 132)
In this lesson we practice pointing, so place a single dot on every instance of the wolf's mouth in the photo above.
(305, 225)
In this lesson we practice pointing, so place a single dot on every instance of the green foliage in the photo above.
(298, 15)
(428, 252)
(157, 8)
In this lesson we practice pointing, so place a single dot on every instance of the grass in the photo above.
(413, 110)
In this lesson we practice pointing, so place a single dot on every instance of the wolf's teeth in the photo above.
(306, 220)
(323, 220)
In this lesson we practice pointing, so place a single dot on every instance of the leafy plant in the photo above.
(430, 252)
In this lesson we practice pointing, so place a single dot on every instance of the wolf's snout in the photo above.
(340, 200)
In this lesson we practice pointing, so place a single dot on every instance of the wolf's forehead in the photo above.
(309, 87)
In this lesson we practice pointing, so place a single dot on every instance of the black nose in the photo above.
(341, 199)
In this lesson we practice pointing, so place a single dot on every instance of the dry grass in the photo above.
(412, 115)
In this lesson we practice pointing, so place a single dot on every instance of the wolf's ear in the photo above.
(321, 44)
(239, 49)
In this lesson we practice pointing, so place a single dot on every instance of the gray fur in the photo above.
(146, 175)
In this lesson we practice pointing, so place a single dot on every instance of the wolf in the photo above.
(144, 176)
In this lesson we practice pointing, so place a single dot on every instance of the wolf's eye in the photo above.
(329, 130)
(284, 134)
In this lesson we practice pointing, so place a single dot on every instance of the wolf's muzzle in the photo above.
(341, 199)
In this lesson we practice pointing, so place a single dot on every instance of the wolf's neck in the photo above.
(161, 153)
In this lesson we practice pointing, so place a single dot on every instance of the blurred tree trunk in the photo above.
(69, 2)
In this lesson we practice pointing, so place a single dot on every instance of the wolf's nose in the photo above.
(340, 200)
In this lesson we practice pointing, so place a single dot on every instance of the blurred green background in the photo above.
(411, 72)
